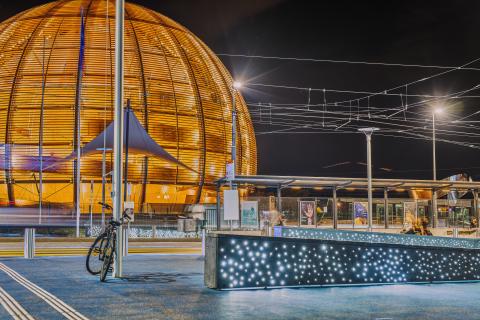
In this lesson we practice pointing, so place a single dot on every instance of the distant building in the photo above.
(56, 71)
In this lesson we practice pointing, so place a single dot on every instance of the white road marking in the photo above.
(67, 311)
(13, 307)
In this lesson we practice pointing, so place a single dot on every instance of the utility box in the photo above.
(210, 277)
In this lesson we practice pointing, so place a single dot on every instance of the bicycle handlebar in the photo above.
(105, 205)
(122, 219)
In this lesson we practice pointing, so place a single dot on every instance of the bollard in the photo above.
(29, 243)
(154, 232)
(455, 232)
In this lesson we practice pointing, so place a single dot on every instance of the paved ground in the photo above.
(171, 287)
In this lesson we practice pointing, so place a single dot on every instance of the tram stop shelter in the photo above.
(434, 195)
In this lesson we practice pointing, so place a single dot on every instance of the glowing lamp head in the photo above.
(438, 110)
(237, 85)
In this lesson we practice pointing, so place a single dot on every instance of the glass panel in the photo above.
(345, 213)
(324, 212)
(290, 211)
(395, 215)
(379, 216)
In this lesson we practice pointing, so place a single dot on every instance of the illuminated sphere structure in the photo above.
(56, 83)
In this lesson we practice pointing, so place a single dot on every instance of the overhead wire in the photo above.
(374, 114)
(386, 64)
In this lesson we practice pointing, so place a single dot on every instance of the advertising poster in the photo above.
(410, 213)
(360, 213)
(307, 213)
(272, 203)
(249, 210)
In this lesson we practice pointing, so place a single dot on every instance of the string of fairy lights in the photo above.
(401, 113)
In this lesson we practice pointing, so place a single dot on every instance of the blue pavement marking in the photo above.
(38, 308)
(56, 303)
(4, 314)
(171, 287)
(12, 306)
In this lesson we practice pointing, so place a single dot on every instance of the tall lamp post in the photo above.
(118, 135)
(368, 134)
(235, 87)
(436, 111)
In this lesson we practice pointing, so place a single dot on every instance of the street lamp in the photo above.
(437, 110)
(118, 134)
(368, 134)
(235, 87)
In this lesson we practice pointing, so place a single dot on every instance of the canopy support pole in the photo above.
(217, 217)
(385, 206)
(334, 208)
(434, 209)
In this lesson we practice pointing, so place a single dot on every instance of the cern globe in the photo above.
(56, 103)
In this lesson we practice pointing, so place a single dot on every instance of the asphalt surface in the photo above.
(171, 287)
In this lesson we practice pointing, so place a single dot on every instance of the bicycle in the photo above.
(95, 255)
(110, 241)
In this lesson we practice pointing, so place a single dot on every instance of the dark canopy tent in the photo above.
(139, 141)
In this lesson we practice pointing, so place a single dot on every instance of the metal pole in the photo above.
(476, 212)
(334, 208)
(77, 205)
(385, 205)
(234, 132)
(368, 134)
(217, 218)
(279, 199)
(234, 143)
(434, 193)
(369, 174)
(103, 185)
(78, 103)
(434, 156)
(118, 134)
(434, 208)
(91, 208)
(126, 231)
(40, 136)
(127, 133)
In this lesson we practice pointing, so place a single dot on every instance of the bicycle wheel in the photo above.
(108, 257)
(95, 254)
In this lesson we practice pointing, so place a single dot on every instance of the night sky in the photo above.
(443, 33)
